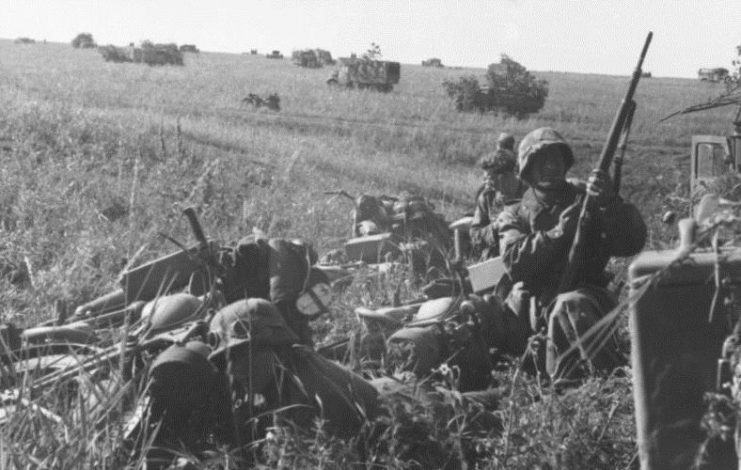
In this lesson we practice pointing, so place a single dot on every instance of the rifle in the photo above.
(617, 172)
(574, 265)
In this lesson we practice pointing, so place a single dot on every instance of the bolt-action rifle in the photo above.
(577, 255)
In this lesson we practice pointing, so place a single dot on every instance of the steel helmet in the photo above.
(506, 141)
(501, 161)
(536, 141)
(251, 321)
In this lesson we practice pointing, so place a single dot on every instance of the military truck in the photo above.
(363, 73)
(685, 312)
(306, 58)
(717, 74)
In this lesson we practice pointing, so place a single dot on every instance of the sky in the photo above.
(596, 36)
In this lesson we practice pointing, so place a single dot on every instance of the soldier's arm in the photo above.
(525, 253)
(483, 230)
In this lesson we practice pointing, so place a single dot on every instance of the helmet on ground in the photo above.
(501, 161)
(506, 141)
(251, 321)
(535, 142)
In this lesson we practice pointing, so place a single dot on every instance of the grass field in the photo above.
(81, 139)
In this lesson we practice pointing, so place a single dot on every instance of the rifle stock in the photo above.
(575, 263)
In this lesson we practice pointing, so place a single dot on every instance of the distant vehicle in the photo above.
(24, 40)
(188, 48)
(274, 55)
(433, 62)
(306, 58)
(378, 75)
(717, 74)
(148, 53)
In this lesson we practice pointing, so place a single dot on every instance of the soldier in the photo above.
(271, 374)
(535, 237)
(501, 187)
(506, 141)
(283, 272)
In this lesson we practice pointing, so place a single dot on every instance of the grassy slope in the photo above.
(79, 136)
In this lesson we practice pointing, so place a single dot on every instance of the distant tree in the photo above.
(467, 94)
(83, 41)
(511, 90)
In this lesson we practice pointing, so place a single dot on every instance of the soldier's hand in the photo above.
(600, 186)
(567, 222)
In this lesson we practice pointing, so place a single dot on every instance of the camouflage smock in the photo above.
(536, 255)
(484, 228)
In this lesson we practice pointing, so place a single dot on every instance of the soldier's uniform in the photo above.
(278, 270)
(490, 201)
(535, 253)
(272, 375)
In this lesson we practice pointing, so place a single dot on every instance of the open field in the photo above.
(81, 139)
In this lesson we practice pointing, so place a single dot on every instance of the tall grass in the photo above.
(97, 158)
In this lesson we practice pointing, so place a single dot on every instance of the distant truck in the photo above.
(717, 74)
(432, 62)
(362, 73)
(274, 55)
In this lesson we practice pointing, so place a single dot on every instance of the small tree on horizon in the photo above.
(83, 41)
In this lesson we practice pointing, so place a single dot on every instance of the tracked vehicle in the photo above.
(380, 75)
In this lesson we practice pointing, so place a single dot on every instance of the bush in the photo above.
(515, 91)
(112, 53)
(511, 90)
(83, 41)
(158, 54)
(467, 94)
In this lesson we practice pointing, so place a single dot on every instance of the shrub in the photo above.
(112, 53)
(159, 54)
(83, 41)
(510, 90)
(467, 94)
(513, 90)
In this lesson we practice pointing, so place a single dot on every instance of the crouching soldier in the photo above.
(272, 376)
(283, 272)
(535, 238)
(501, 187)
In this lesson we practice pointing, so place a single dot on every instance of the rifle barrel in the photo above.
(575, 260)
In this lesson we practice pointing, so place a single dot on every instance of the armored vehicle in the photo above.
(378, 75)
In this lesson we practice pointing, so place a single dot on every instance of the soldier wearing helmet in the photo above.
(506, 141)
(501, 187)
(271, 375)
(535, 238)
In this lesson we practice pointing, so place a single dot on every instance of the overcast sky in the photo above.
(597, 36)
